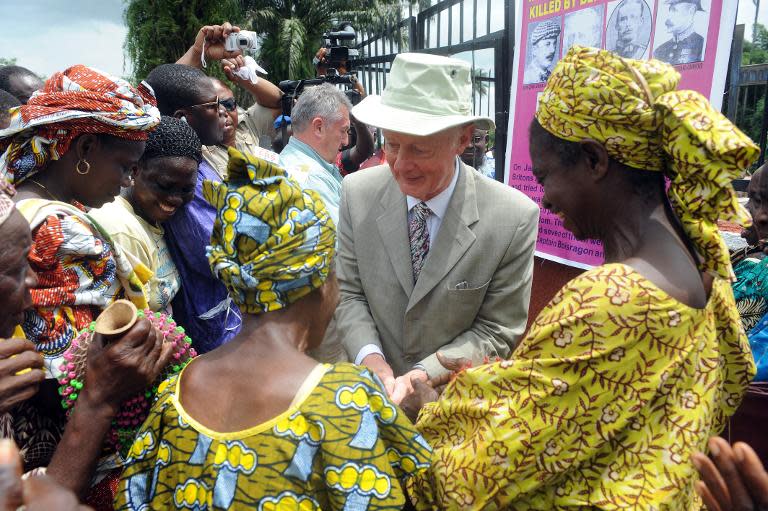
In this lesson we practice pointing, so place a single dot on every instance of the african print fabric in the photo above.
(79, 271)
(272, 241)
(601, 406)
(77, 101)
(634, 109)
(751, 290)
(344, 446)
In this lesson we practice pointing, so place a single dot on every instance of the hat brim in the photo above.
(372, 112)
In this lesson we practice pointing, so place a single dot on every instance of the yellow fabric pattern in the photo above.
(345, 446)
(272, 242)
(634, 109)
(601, 406)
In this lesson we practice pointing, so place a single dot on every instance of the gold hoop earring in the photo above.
(87, 167)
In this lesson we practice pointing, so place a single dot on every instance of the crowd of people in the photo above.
(361, 337)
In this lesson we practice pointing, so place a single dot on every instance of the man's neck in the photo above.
(308, 143)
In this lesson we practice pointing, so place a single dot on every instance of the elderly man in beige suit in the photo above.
(433, 256)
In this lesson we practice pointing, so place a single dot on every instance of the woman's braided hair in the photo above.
(172, 137)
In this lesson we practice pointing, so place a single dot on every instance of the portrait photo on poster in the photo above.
(542, 49)
(629, 27)
(583, 27)
(681, 31)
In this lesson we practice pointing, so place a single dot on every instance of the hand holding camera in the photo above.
(211, 42)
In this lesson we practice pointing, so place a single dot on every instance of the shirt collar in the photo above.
(439, 203)
(299, 146)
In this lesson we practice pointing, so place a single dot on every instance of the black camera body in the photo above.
(339, 55)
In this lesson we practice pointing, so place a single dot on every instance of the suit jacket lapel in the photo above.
(453, 238)
(393, 228)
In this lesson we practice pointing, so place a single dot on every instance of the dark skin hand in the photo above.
(16, 355)
(37, 493)
(733, 479)
(115, 372)
(430, 391)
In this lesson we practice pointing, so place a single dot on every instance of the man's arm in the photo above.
(355, 325)
(266, 93)
(503, 316)
(210, 39)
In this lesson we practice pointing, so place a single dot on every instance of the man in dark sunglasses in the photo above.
(241, 127)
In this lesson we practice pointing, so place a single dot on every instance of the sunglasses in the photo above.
(229, 104)
(210, 104)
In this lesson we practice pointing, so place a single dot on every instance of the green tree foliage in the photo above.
(756, 50)
(4, 61)
(160, 31)
(291, 30)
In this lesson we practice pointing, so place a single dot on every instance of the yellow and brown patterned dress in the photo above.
(340, 445)
(601, 407)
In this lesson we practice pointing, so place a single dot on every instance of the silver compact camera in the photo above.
(243, 40)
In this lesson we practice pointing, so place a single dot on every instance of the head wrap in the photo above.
(173, 137)
(633, 108)
(549, 29)
(272, 241)
(77, 101)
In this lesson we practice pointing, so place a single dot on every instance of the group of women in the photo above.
(621, 381)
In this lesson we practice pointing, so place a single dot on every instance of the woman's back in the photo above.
(340, 442)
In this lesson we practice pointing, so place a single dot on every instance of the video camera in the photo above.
(338, 55)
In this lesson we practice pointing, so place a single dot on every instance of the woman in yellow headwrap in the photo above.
(636, 363)
(257, 424)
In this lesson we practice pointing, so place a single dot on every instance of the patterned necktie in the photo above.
(419, 237)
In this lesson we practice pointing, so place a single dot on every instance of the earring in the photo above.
(87, 167)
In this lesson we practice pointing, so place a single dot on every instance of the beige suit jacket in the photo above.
(472, 295)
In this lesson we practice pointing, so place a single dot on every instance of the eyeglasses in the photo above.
(229, 104)
(209, 104)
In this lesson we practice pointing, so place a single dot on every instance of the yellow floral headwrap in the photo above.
(272, 242)
(634, 109)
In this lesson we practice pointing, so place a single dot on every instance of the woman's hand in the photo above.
(126, 366)
(20, 372)
(733, 479)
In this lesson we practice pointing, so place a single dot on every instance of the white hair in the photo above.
(324, 101)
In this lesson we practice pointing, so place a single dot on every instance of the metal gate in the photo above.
(478, 31)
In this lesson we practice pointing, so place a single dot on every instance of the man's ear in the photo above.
(317, 126)
(465, 137)
(596, 158)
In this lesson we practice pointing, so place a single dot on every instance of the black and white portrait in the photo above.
(681, 30)
(628, 32)
(542, 50)
(584, 27)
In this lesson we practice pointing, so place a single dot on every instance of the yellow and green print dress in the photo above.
(341, 445)
(600, 407)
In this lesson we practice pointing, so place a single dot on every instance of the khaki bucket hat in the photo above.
(425, 94)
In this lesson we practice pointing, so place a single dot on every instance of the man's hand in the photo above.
(210, 39)
(125, 367)
(733, 479)
(378, 365)
(20, 372)
(404, 384)
(230, 65)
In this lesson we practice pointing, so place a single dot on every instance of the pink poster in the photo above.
(693, 35)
